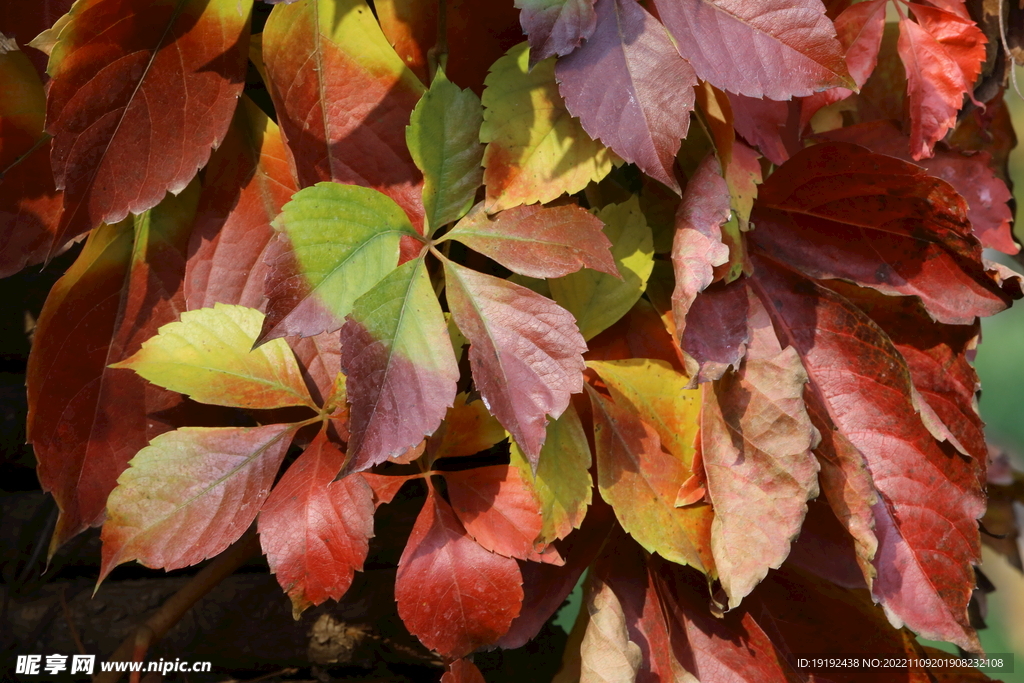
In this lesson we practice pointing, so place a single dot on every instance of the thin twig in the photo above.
(134, 647)
(1006, 51)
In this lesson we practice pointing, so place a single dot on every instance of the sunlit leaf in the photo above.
(535, 150)
(598, 300)
(124, 77)
(209, 356)
(190, 494)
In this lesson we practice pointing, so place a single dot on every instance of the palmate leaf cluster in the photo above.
(683, 292)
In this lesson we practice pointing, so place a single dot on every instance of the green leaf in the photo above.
(536, 150)
(443, 137)
(598, 300)
(400, 367)
(563, 482)
(207, 356)
(344, 240)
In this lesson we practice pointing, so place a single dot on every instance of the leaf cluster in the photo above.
(685, 293)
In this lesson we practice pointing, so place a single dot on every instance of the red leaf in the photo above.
(121, 104)
(546, 586)
(319, 357)
(697, 247)
(810, 615)
(462, 671)
(971, 176)
(344, 119)
(715, 649)
(942, 54)
(452, 594)
(630, 88)
(384, 487)
(759, 48)
(190, 494)
(825, 548)
(930, 499)
(773, 127)
(641, 333)
(29, 203)
(315, 531)
(556, 28)
(247, 182)
(717, 332)
(937, 356)
(497, 508)
(86, 421)
(538, 241)
(478, 34)
(821, 208)
(525, 351)
(860, 28)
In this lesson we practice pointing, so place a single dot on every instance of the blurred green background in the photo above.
(1000, 365)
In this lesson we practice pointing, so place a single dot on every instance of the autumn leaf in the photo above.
(556, 27)
(538, 241)
(462, 671)
(535, 150)
(771, 48)
(865, 388)
(623, 568)
(660, 397)
(697, 247)
(562, 479)
(29, 203)
(340, 241)
(207, 356)
(345, 118)
(498, 508)
(597, 300)
(452, 594)
(400, 367)
(443, 139)
(756, 441)
(717, 649)
(190, 494)
(859, 28)
(773, 127)
(85, 420)
(468, 428)
(830, 198)
(315, 531)
(942, 53)
(970, 175)
(630, 88)
(124, 75)
(525, 352)
(640, 481)
(609, 656)
(247, 182)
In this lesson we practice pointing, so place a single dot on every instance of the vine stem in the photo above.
(135, 646)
